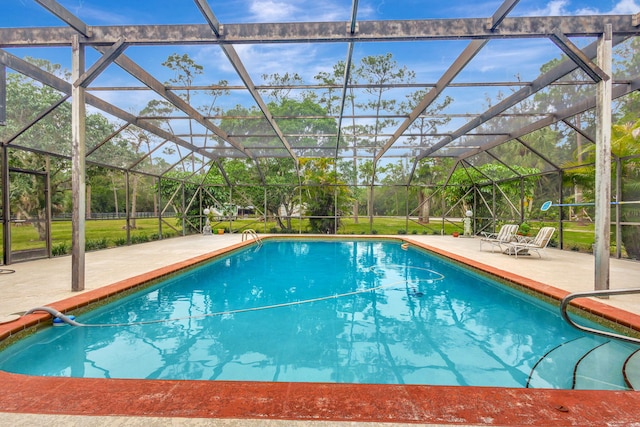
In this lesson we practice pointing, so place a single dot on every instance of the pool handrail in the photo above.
(603, 292)
(250, 232)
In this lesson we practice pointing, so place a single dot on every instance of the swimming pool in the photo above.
(371, 312)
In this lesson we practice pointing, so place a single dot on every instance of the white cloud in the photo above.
(625, 7)
(272, 11)
(563, 8)
(298, 10)
(265, 59)
(553, 8)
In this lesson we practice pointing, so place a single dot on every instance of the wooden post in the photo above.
(78, 171)
(603, 163)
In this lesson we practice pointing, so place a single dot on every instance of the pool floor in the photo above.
(312, 401)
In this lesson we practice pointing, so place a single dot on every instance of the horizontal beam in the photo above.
(325, 32)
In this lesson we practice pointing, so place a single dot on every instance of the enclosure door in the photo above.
(29, 222)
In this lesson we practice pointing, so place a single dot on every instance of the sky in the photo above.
(310, 59)
(122, 12)
(500, 60)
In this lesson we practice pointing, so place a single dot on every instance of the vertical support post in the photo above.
(3, 95)
(47, 204)
(493, 206)
(443, 207)
(561, 211)
(265, 208)
(231, 212)
(335, 208)
(335, 198)
(6, 230)
(406, 208)
(159, 181)
(184, 212)
(603, 163)
(127, 201)
(229, 204)
(78, 171)
(475, 210)
(299, 209)
(6, 211)
(522, 207)
(201, 223)
(618, 207)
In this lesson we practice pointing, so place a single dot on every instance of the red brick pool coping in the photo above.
(315, 401)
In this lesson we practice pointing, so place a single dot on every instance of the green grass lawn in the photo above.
(98, 234)
(109, 233)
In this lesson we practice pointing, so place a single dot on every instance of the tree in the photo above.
(427, 123)
(325, 196)
(281, 174)
(330, 98)
(429, 173)
(282, 84)
(377, 72)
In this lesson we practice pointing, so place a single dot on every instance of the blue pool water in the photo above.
(328, 311)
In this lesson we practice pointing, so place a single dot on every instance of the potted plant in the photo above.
(524, 229)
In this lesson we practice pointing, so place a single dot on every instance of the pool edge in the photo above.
(314, 401)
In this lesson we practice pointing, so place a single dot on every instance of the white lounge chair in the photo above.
(506, 235)
(537, 244)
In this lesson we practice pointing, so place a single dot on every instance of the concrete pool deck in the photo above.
(43, 282)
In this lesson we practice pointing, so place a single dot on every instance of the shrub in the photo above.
(120, 241)
(139, 238)
(402, 231)
(92, 245)
(60, 249)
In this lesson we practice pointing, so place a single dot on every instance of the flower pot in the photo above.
(220, 230)
(456, 234)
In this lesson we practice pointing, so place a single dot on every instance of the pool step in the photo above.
(602, 367)
(588, 363)
(632, 370)
(555, 369)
